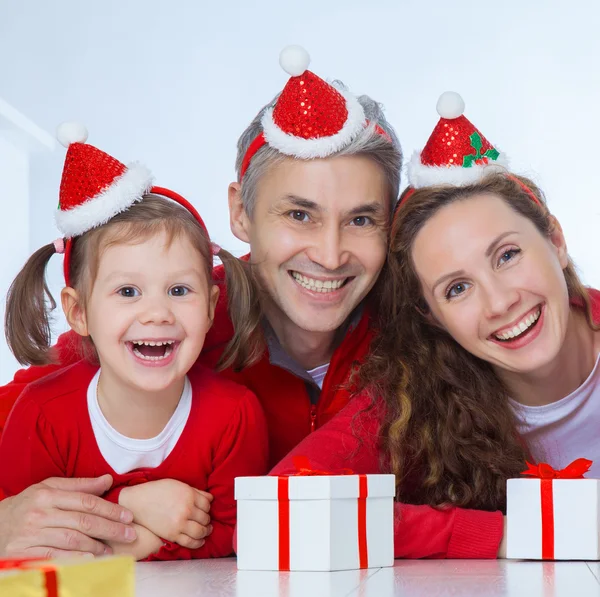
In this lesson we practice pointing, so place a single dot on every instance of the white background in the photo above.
(173, 84)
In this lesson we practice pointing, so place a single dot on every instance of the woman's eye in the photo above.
(179, 291)
(299, 216)
(508, 255)
(128, 292)
(457, 289)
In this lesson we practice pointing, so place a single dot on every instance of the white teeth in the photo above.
(151, 343)
(521, 327)
(168, 351)
(317, 285)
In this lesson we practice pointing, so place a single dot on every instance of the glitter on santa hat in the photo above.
(311, 117)
(456, 152)
(95, 186)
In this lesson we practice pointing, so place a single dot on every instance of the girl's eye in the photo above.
(361, 221)
(508, 255)
(178, 291)
(128, 292)
(299, 216)
(457, 289)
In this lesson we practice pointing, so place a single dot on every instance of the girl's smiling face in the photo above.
(150, 307)
(494, 282)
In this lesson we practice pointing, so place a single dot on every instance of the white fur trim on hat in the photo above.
(420, 175)
(322, 147)
(123, 192)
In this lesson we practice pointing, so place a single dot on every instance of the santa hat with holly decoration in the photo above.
(456, 152)
(311, 117)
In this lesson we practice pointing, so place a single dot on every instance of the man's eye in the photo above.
(299, 216)
(361, 221)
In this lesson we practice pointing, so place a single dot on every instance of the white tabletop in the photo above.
(408, 578)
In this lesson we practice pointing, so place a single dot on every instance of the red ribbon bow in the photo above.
(575, 470)
(27, 564)
(547, 474)
(304, 469)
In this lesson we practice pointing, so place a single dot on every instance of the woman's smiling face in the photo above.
(495, 282)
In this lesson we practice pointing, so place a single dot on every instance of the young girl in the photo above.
(488, 352)
(138, 271)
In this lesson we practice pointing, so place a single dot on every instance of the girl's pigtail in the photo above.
(28, 307)
(247, 345)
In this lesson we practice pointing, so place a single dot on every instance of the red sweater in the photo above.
(283, 396)
(49, 434)
(351, 440)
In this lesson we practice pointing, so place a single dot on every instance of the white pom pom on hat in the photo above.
(71, 132)
(450, 105)
(294, 60)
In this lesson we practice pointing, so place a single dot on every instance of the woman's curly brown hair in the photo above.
(449, 433)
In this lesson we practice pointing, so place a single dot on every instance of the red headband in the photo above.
(158, 191)
(260, 140)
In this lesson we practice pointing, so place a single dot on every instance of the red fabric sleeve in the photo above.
(350, 440)
(242, 451)
(28, 449)
(68, 349)
(113, 494)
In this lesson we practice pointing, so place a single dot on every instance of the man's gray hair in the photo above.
(368, 143)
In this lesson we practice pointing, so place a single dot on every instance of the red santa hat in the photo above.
(311, 118)
(456, 152)
(95, 187)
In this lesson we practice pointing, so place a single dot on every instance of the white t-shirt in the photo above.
(318, 374)
(125, 454)
(565, 430)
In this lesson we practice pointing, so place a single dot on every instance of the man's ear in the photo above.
(74, 311)
(238, 218)
(557, 238)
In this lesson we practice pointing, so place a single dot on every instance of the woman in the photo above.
(488, 346)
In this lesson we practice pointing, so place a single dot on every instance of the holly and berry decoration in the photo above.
(456, 152)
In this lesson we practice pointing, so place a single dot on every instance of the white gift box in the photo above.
(569, 520)
(327, 522)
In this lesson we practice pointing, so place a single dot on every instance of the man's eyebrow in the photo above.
(374, 208)
(300, 202)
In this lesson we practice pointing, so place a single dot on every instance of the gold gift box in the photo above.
(100, 577)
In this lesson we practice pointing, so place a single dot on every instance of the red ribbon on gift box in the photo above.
(304, 469)
(547, 474)
(26, 564)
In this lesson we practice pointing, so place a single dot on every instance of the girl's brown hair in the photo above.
(29, 302)
(449, 433)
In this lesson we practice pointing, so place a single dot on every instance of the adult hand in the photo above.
(62, 517)
(170, 509)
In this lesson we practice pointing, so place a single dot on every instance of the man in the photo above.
(318, 176)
